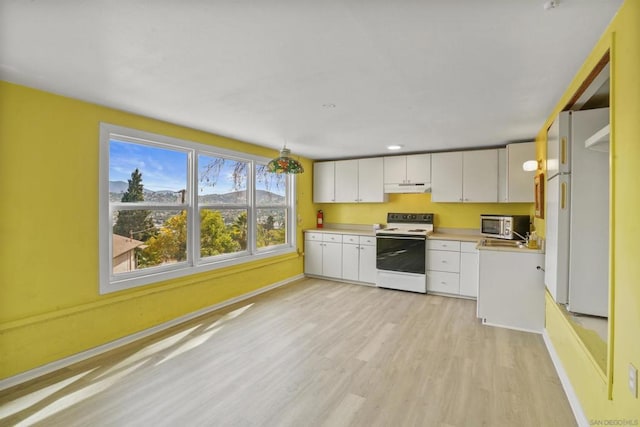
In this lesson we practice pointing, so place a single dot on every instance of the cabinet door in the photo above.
(332, 259)
(469, 274)
(480, 176)
(346, 181)
(370, 180)
(323, 182)
(520, 182)
(350, 257)
(367, 267)
(419, 168)
(395, 170)
(446, 177)
(443, 261)
(502, 176)
(313, 257)
(440, 281)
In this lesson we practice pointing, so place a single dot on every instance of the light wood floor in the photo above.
(314, 353)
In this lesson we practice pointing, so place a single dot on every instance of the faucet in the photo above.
(525, 240)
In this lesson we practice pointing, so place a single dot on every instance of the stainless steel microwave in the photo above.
(513, 227)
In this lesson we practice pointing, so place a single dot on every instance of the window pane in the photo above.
(222, 181)
(140, 172)
(222, 231)
(272, 227)
(143, 238)
(271, 188)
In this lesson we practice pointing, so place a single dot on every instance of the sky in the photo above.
(164, 169)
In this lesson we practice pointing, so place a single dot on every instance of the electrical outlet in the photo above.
(633, 380)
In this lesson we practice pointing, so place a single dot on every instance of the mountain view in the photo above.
(117, 189)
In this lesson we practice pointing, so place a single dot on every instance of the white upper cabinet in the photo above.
(395, 170)
(324, 182)
(446, 177)
(410, 169)
(480, 176)
(370, 185)
(349, 181)
(503, 195)
(520, 187)
(465, 176)
(346, 181)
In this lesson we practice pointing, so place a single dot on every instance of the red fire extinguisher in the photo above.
(319, 219)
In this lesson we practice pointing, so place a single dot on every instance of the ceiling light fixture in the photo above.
(551, 4)
(394, 147)
(284, 163)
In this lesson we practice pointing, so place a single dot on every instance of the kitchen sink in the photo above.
(502, 243)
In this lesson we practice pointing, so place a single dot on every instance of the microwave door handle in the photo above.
(502, 228)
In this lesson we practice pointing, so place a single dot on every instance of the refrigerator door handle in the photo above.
(563, 196)
(563, 150)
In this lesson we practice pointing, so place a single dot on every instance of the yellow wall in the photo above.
(49, 302)
(449, 215)
(623, 37)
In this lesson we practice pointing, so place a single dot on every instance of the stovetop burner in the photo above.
(408, 223)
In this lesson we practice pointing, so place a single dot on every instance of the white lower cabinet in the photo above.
(349, 257)
(468, 269)
(323, 254)
(367, 261)
(511, 289)
(452, 267)
(359, 258)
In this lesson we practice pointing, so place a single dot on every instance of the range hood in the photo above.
(415, 187)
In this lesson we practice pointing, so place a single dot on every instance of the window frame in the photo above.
(194, 263)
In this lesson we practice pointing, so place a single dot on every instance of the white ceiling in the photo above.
(430, 75)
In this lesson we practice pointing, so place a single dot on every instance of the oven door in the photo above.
(406, 254)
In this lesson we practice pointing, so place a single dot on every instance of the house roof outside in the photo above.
(123, 244)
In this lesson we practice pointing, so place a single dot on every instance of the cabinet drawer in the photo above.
(443, 261)
(468, 247)
(368, 240)
(439, 281)
(313, 236)
(444, 245)
(351, 238)
(327, 237)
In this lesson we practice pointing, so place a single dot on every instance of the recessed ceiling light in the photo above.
(394, 147)
(329, 105)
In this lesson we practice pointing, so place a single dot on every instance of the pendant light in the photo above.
(284, 163)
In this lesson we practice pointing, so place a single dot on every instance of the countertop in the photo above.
(438, 235)
(358, 231)
(455, 236)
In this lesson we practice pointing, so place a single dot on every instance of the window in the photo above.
(169, 208)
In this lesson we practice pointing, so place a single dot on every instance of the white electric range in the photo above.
(401, 251)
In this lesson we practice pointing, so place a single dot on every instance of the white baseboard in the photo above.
(70, 360)
(578, 413)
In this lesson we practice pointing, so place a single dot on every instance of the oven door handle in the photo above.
(400, 237)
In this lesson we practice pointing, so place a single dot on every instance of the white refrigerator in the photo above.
(577, 214)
